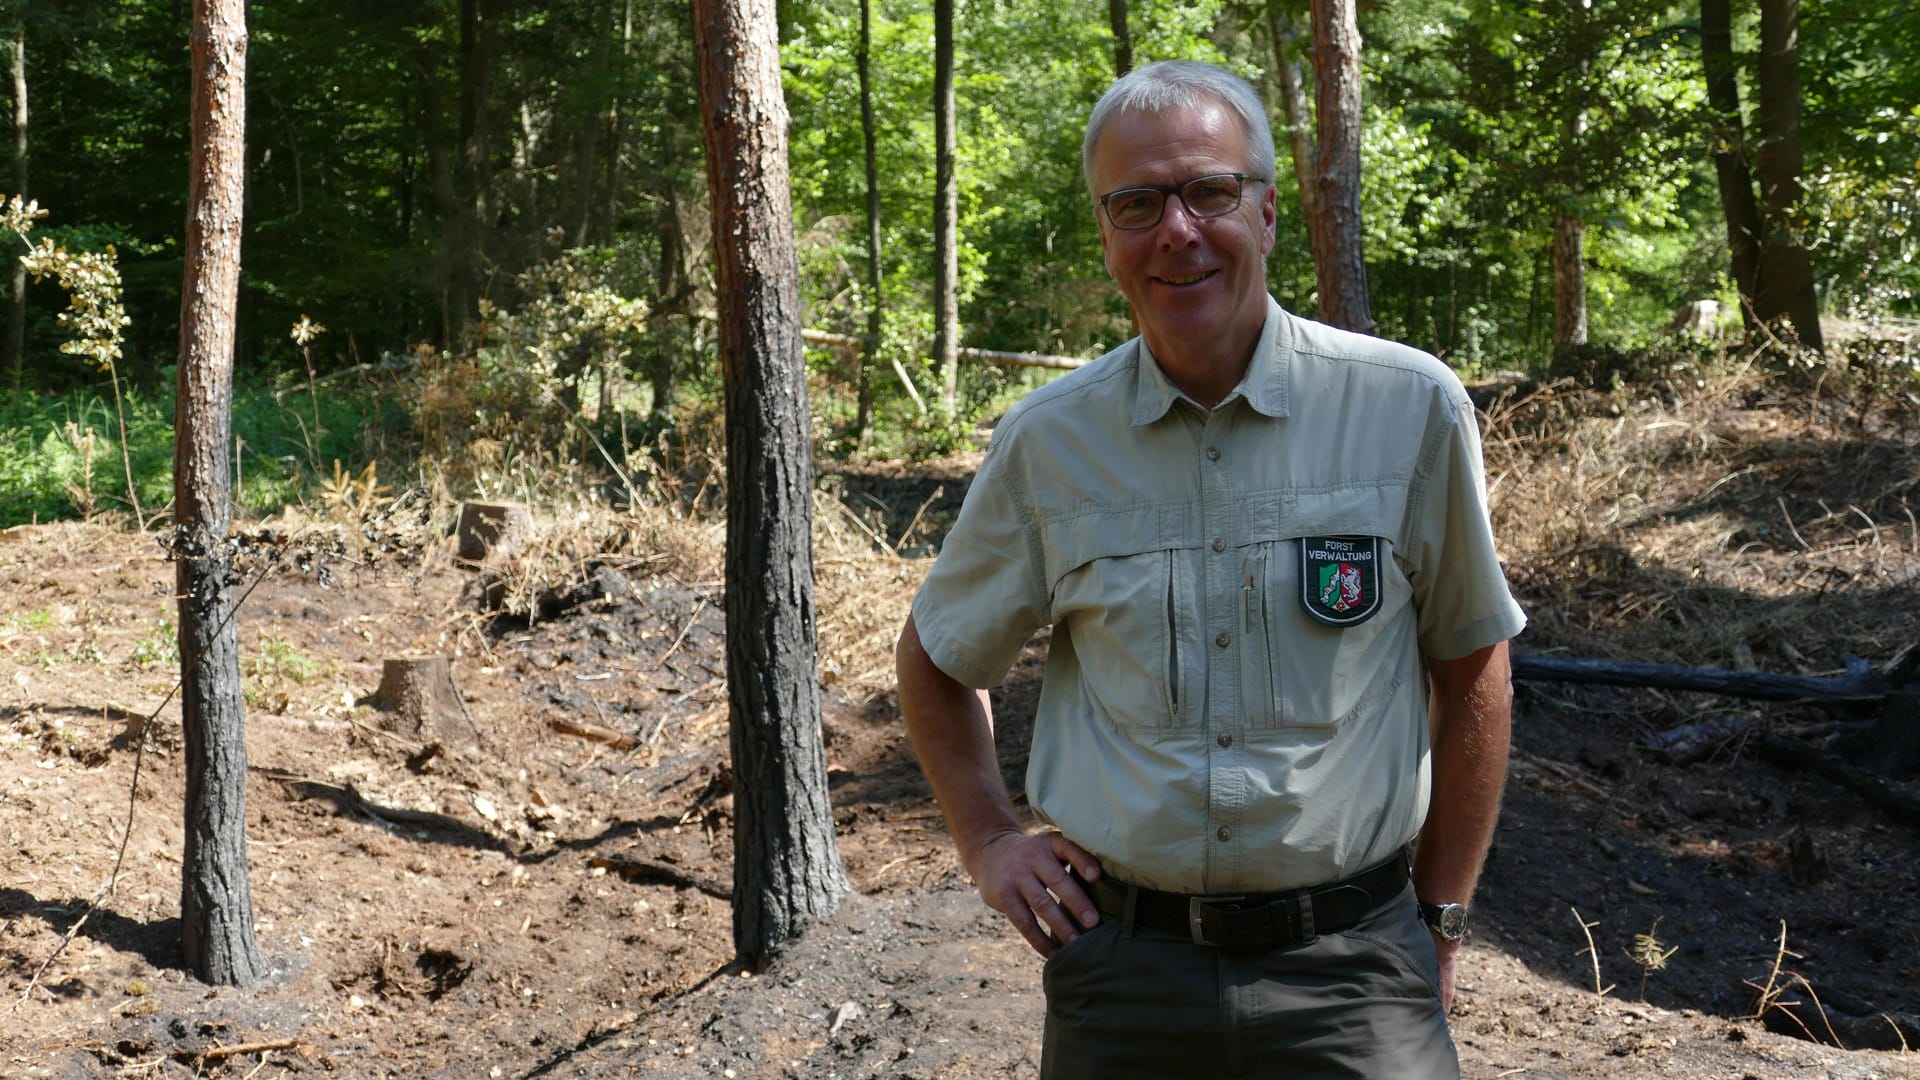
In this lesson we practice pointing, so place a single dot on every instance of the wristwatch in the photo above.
(1447, 920)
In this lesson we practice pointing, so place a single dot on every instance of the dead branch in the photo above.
(238, 1050)
(596, 733)
(654, 872)
(1861, 684)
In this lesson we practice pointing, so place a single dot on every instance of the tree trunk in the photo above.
(16, 343)
(946, 215)
(1786, 270)
(876, 303)
(1569, 283)
(1122, 39)
(1339, 266)
(471, 173)
(786, 864)
(216, 903)
(1569, 227)
(1293, 104)
(1737, 203)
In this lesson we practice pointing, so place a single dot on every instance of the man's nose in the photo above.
(1178, 227)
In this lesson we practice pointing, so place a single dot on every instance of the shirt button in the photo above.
(1219, 544)
(1224, 739)
(1225, 834)
(1224, 639)
(1213, 453)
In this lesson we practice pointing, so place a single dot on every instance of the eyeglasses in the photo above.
(1209, 196)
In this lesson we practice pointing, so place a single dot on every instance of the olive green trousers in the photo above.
(1132, 1001)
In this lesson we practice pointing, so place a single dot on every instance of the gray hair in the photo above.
(1166, 85)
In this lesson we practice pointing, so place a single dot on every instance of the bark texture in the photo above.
(1786, 270)
(786, 863)
(1569, 282)
(1339, 265)
(1737, 203)
(216, 902)
(946, 213)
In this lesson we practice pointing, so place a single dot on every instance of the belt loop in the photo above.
(1306, 915)
(1129, 907)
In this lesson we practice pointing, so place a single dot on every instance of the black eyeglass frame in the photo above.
(1179, 189)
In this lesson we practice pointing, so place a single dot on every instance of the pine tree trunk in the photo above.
(1737, 203)
(946, 214)
(216, 903)
(1786, 270)
(1338, 262)
(786, 863)
(876, 302)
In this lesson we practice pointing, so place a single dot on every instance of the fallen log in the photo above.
(1860, 685)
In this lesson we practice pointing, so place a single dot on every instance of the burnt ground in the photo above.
(489, 896)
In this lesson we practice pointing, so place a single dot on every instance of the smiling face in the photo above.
(1198, 286)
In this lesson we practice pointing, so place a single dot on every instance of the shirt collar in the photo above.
(1264, 385)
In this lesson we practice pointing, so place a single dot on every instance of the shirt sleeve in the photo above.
(985, 594)
(1460, 590)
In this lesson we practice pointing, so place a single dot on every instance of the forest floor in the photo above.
(491, 896)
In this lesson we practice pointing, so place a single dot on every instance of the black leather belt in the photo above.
(1261, 921)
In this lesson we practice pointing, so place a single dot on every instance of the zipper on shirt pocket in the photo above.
(1267, 634)
(1173, 642)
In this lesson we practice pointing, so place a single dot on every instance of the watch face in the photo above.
(1447, 920)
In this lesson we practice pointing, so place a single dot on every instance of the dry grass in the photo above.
(1729, 519)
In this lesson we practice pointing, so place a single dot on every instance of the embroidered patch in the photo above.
(1340, 578)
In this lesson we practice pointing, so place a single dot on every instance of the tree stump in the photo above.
(419, 692)
(491, 529)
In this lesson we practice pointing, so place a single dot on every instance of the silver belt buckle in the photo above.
(1194, 906)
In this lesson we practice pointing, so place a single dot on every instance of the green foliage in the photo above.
(43, 461)
(519, 408)
(397, 166)
(277, 658)
(158, 646)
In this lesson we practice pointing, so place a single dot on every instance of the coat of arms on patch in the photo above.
(1340, 578)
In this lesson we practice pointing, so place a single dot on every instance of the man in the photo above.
(1262, 545)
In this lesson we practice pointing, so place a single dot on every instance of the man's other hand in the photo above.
(1025, 878)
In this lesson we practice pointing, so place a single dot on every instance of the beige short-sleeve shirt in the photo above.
(1234, 697)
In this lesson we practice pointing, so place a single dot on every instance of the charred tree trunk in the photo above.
(1737, 203)
(946, 214)
(216, 903)
(1786, 269)
(1338, 262)
(876, 302)
(786, 863)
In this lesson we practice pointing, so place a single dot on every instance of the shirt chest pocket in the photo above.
(1124, 601)
(1331, 633)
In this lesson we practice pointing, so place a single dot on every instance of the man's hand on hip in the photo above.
(1025, 878)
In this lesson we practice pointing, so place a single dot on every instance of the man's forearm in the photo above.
(1473, 709)
(951, 729)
